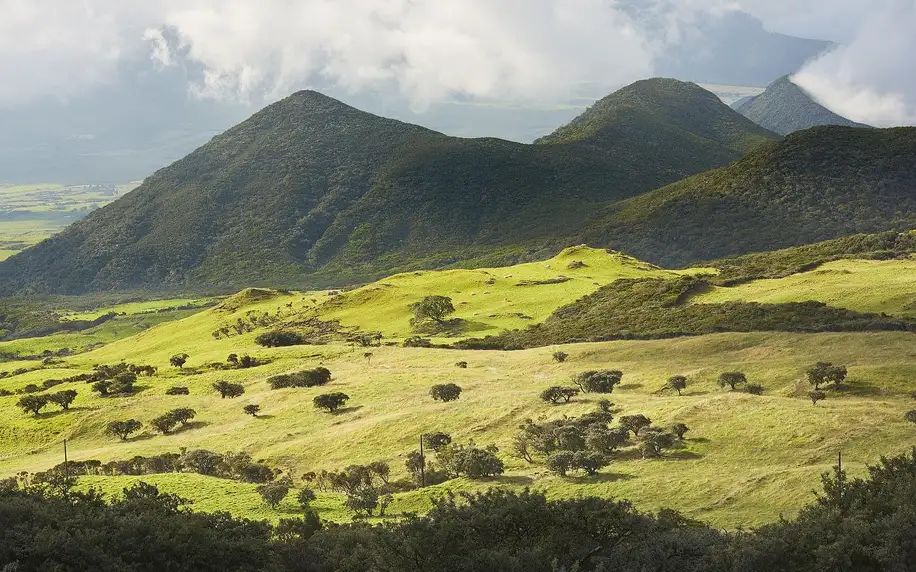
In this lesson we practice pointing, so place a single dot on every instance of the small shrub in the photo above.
(418, 342)
(177, 390)
(308, 378)
(252, 410)
(279, 339)
(462, 365)
(331, 402)
(754, 389)
(605, 405)
(445, 392)
(123, 429)
(816, 396)
(556, 393)
(560, 357)
(910, 416)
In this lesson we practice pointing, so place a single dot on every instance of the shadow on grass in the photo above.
(453, 327)
(59, 412)
(189, 427)
(855, 388)
(599, 478)
(517, 480)
(345, 410)
(697, 440)
(682, 456)
(259, 416)
(630, 386)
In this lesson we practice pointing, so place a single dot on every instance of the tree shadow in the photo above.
(698, 440)
(259, 416)
(190, 426)
(600, 478)
(59, 412)
(630, 386)
(450, 328)
(140, 437)
(682, 456)
(854, 388)
(344, 411)
(517, 480)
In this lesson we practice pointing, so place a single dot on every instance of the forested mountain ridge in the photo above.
(312, 185)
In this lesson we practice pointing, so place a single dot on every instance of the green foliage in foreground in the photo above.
(657, 308)
(855, 524)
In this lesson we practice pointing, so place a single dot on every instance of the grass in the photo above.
(487, 300)
(868, 286)
(747, 459)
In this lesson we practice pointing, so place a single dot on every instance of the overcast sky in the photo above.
(510, 50)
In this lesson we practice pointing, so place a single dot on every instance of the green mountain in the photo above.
(818, 184)
(785, 108)
(312, 190)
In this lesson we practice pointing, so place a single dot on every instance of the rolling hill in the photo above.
(818, 184)
(312, 189)
(785, 108)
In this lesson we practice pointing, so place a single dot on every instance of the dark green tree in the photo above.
(677, 382)
(432, 308)
(732, 379)
(330, 402)
(123, 429)
(445, 392)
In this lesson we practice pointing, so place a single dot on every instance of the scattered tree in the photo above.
(823, 373)
(589, 461)
(252, 410)
(183, 415)
(652, 443)
(679, 430)
(556, 393)
(279, 339)
(123, 429)
(732, 379)
(63, 398)
(368, 357)
(178, 360)
(230, 390)
(32, 404)
(436, 441)
(445, 392)
(598, 381)
(306, 497)
(678, 383)
(754, 389)
(560, 463)
(635, 423)
(816, 396)
(434, 308)
(331, 402)
(164, 423)
(560, 357)
(273, 493)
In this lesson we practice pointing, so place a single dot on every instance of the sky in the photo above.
(427, 50)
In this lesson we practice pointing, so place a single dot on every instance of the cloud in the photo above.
(872, 79)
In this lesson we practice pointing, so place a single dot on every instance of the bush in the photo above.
(560, 357)
(436, 441)
(63, 398)
(418, 342)
(816, 396)
(178, 360)
(589, 461)
(123, 429)
(825, 372)
(560, 463)
(476, 463)
(273, 493)
(677, 382)
(911, 416)
(556, 393)
(32, 404)
(598, 381)
(168, 421)
(230, 390)
(754, 389)
(279, 339)
(635, 423)
(462, 365)
(308, 378)
(331, 402)
(252, 410)
(177, 390)
(732, 379)
(445, 392)
(653, 443)
(679, 430)
(306, 497)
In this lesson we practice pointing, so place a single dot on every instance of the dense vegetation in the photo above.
(818, 184)
(785, 108)
(659, 308)
(310, 184)
(854, 524)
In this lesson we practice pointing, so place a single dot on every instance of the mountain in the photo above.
(818, 184)
(785, 108)
(310, 186)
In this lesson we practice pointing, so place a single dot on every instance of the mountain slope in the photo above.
(785, 108)
(814, 185)
(311, 185)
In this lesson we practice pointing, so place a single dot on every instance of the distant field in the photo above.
(863, 285)
(31, 213)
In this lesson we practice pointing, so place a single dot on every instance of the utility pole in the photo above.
(839, 473)
(66, 471)
(422, 464)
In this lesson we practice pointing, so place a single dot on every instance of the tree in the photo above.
(754, 389)
(589, 461)
(434, 308)
(635, 423)
(825, 372)
(678, 383)
(178, 360)
(560, 357)
(252, 410)
(732, 379)
(445, 392)
(330, 402)
(604, 440)
(32, 404)
(164, 423)
(911, 416)
(461, 365)
(177, 390)
(436, 440)
(183, 415)
(556, 393)
(230, 390)
(273, 493)
(279, 339)
(362, 502)
(306, 497)
(605, 405)
(598, 381)
(63, 398)
(560, 463)
(816, 396)
(478, 463)
(652, 443)
(233, 359)
(679, 430)
(123, 429)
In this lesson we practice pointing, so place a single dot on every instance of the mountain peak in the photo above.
(785, 108)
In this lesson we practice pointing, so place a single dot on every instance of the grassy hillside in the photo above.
(311, 190)
(785, 108)
(818, 184)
